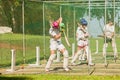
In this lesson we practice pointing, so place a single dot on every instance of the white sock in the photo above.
(76, 56)
(65, 61)
(51, 58)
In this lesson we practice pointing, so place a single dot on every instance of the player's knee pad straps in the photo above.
(66, 55)
(52, 57)
(79, 52)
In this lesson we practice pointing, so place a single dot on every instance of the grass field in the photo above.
(15, 41)
(57, 77)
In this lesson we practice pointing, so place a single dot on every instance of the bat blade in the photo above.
(66, 39)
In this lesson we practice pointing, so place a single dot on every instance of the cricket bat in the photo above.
(66, 39)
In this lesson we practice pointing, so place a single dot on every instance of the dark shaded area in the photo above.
(14, 78)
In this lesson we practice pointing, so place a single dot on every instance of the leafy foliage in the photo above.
(12, 14)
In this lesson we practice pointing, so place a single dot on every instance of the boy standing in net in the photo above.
(109, 33)
(55, 44)
(82, 42)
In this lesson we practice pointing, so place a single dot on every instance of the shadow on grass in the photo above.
(15, 78)
(5, 65)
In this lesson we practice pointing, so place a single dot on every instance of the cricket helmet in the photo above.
(83, 21)
(55, 24)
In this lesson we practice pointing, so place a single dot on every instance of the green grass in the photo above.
(15, 41)
(9, 41)
(58, 77)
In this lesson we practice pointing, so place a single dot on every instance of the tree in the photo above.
(9, 7)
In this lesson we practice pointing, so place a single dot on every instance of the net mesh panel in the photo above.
(34, 29)
(96, 24)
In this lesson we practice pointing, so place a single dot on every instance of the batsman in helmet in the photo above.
(82, 42)
(56, 44)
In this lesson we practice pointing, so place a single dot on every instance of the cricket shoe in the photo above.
(73, 64)
(91, 64)
(66, 69)
(47, 70)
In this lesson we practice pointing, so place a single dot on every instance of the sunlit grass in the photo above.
(15, 41)
(58, 77)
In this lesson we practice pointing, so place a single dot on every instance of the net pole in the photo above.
(114, 16)
(96, 47)
(115, 48)
(105, 61)
(74, 23)
(44, 28)
(88, 39)
(23, 30)
(60, 10)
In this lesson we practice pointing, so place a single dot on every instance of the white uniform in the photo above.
(81, 39)
(55, 44)
(109, 31)
(82, 42)
(80, 35)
